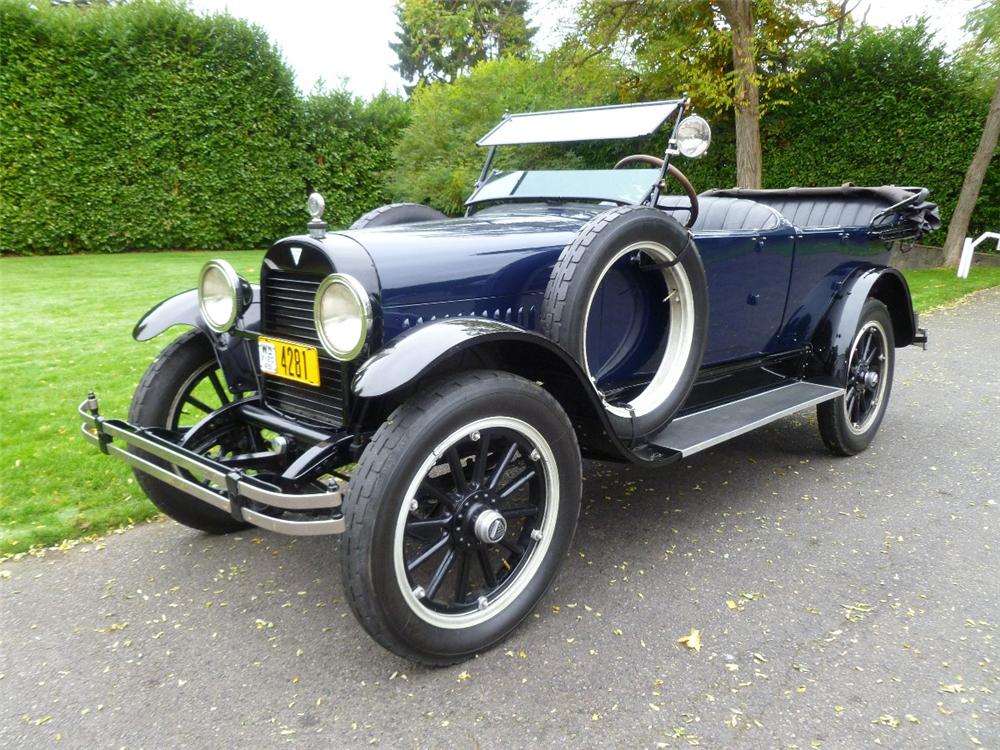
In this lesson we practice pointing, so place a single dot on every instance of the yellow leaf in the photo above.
(691, 640)
(731, 604)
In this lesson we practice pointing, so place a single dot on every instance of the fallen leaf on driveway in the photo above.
(691, 640)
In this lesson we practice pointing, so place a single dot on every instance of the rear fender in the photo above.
(446, 345)
(235, 354)
(833, 337)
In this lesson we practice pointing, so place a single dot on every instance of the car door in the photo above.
(748, 274)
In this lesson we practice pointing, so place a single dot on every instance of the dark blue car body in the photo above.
(787, 274)
(427, 386)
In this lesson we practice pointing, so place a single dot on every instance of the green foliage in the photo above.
(442, 39)
(351, 144)
(881, 106)
(686, 45)
(980, 55)
(143, 126)
(147, 126)
(437, 159)
(884, 105)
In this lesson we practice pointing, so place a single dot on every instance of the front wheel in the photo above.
(848, 424)
(182, 385)
(458, 514)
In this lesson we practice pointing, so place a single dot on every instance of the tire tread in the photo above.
(360, 514)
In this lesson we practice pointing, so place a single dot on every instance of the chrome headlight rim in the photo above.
(232, 282)
(360, 295)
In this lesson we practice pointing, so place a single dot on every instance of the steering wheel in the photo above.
(673, 172)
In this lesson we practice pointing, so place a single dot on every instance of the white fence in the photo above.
(965, 262)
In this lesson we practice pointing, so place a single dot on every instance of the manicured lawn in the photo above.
(933, 287)
(66, 326)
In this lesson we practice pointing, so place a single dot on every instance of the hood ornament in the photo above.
(317, 227)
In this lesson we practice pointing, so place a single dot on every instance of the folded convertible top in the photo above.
(910, 215)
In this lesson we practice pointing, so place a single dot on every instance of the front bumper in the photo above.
(235, 492)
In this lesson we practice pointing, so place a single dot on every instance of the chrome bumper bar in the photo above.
(226, 489)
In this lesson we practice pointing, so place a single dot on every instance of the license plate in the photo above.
(289, 361)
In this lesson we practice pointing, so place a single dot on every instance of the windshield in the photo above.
(573, 140)
(586, 124)
(619, 185)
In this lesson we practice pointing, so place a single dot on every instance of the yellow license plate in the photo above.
(289, 361)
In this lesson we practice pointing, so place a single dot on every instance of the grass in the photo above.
(933, 287)
(66, 326)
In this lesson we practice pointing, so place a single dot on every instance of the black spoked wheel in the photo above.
(226, 440)
(203, 393)
(182, 386)
(476, 520)
(866, 382)
(848, 424)
(458, 514)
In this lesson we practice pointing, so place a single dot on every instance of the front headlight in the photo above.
(343, 315)
(693, 136)
(219, 288)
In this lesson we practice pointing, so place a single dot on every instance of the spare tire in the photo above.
(397, 213)
(624, 239)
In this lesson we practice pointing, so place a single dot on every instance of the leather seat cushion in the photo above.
(715, 214)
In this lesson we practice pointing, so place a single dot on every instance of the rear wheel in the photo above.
(848, 424)
(182, 385)
(458, 515)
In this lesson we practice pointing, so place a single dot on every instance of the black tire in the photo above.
(397, 213)
(848, 424)
(578, 273)
(455, 619)
(158, 403)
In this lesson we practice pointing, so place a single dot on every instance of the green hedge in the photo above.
(143, 126)
(146, 126)
(351, 142)
(886, 105)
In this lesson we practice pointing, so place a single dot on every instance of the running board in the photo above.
(703, 429)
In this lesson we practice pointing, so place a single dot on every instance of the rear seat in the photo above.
(721, 214)
(822, 207)
(826, 212)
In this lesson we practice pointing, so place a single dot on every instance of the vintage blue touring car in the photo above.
(427, 386)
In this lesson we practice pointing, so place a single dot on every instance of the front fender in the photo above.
(182, 309)
(833, 337)
(412, 355)
(435, 347)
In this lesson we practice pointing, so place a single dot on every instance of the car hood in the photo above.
(492, 254)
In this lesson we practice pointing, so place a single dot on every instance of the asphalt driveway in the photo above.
(842, 603)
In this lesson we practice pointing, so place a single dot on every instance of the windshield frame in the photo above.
(494, 139)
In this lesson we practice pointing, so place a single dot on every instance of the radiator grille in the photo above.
(288, 314)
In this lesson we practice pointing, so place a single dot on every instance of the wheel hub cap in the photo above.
(490, 527)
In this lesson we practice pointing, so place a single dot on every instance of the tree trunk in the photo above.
(746, 99)
(959, 224)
